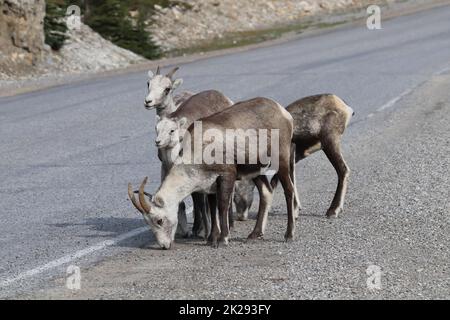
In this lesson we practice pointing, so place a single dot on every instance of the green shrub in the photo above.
(54, 27)
(110, 18)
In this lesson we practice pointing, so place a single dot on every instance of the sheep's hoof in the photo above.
(334, 213)
(183, 235)
(224, 241)
(213, 241)
(242, 217)
(255, 236)
(215, 245)
(288, 237)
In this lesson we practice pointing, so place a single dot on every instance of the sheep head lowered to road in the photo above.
(170, 130)
(223, 141)
(162, 218)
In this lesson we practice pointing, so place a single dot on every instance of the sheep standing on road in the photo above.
(218, 179)
(161, 96)
(170, 132)
(319, 124)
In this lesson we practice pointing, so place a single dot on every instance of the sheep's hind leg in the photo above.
(332, 149)
(215, 228)
(182, 228)
(265, 201)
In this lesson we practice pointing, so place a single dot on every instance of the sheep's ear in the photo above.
(150, 74)
(182, 122)
(159, 202)
(177, 83)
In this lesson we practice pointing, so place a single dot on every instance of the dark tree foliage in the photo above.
(54, 27)
(111, 19)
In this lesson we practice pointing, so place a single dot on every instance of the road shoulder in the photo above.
(396, 219)
(320, 26)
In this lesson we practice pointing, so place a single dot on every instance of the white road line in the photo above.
(77, 255)
(108, 243)
(441, 72)
(392, 102)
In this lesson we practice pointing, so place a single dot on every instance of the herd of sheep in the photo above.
(266, 141)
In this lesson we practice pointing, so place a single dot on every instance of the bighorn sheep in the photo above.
(218, 177)
(170, 131)
(161, 96)
(161, 91)
(319, 123)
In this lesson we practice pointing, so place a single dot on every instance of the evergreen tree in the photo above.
(55, 27)
(110, 18)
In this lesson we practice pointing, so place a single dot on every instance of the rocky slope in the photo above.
(86, 50)
(24, 54)
(191, 21)
(21, 34)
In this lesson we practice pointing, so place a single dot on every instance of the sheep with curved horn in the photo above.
(161, 92)
(172, 72)
(218, 179)
(169, 134)
(161, 96)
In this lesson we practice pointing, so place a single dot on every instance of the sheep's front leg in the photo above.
(206, 217)
(215, 228)
(292, 162)
(182, 228)
(197, 199)
(225, 187)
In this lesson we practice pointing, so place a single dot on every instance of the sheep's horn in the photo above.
(158, 71)
(171, 73)
(136, 204)
(142, 200)
(146, 193)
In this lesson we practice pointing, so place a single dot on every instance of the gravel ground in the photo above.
(396, 217)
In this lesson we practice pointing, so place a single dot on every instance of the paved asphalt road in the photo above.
(67, 153)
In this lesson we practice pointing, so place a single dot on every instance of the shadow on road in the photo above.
(110, 228)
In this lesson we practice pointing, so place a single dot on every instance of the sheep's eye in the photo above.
(172, 131)
(167, 91)
(160, 222)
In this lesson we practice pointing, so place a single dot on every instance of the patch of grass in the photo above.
(244, 38)
(324, 25)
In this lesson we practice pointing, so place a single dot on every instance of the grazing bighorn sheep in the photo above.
(319, 123)
(170, 131)
(219, 178)
(161, 95)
